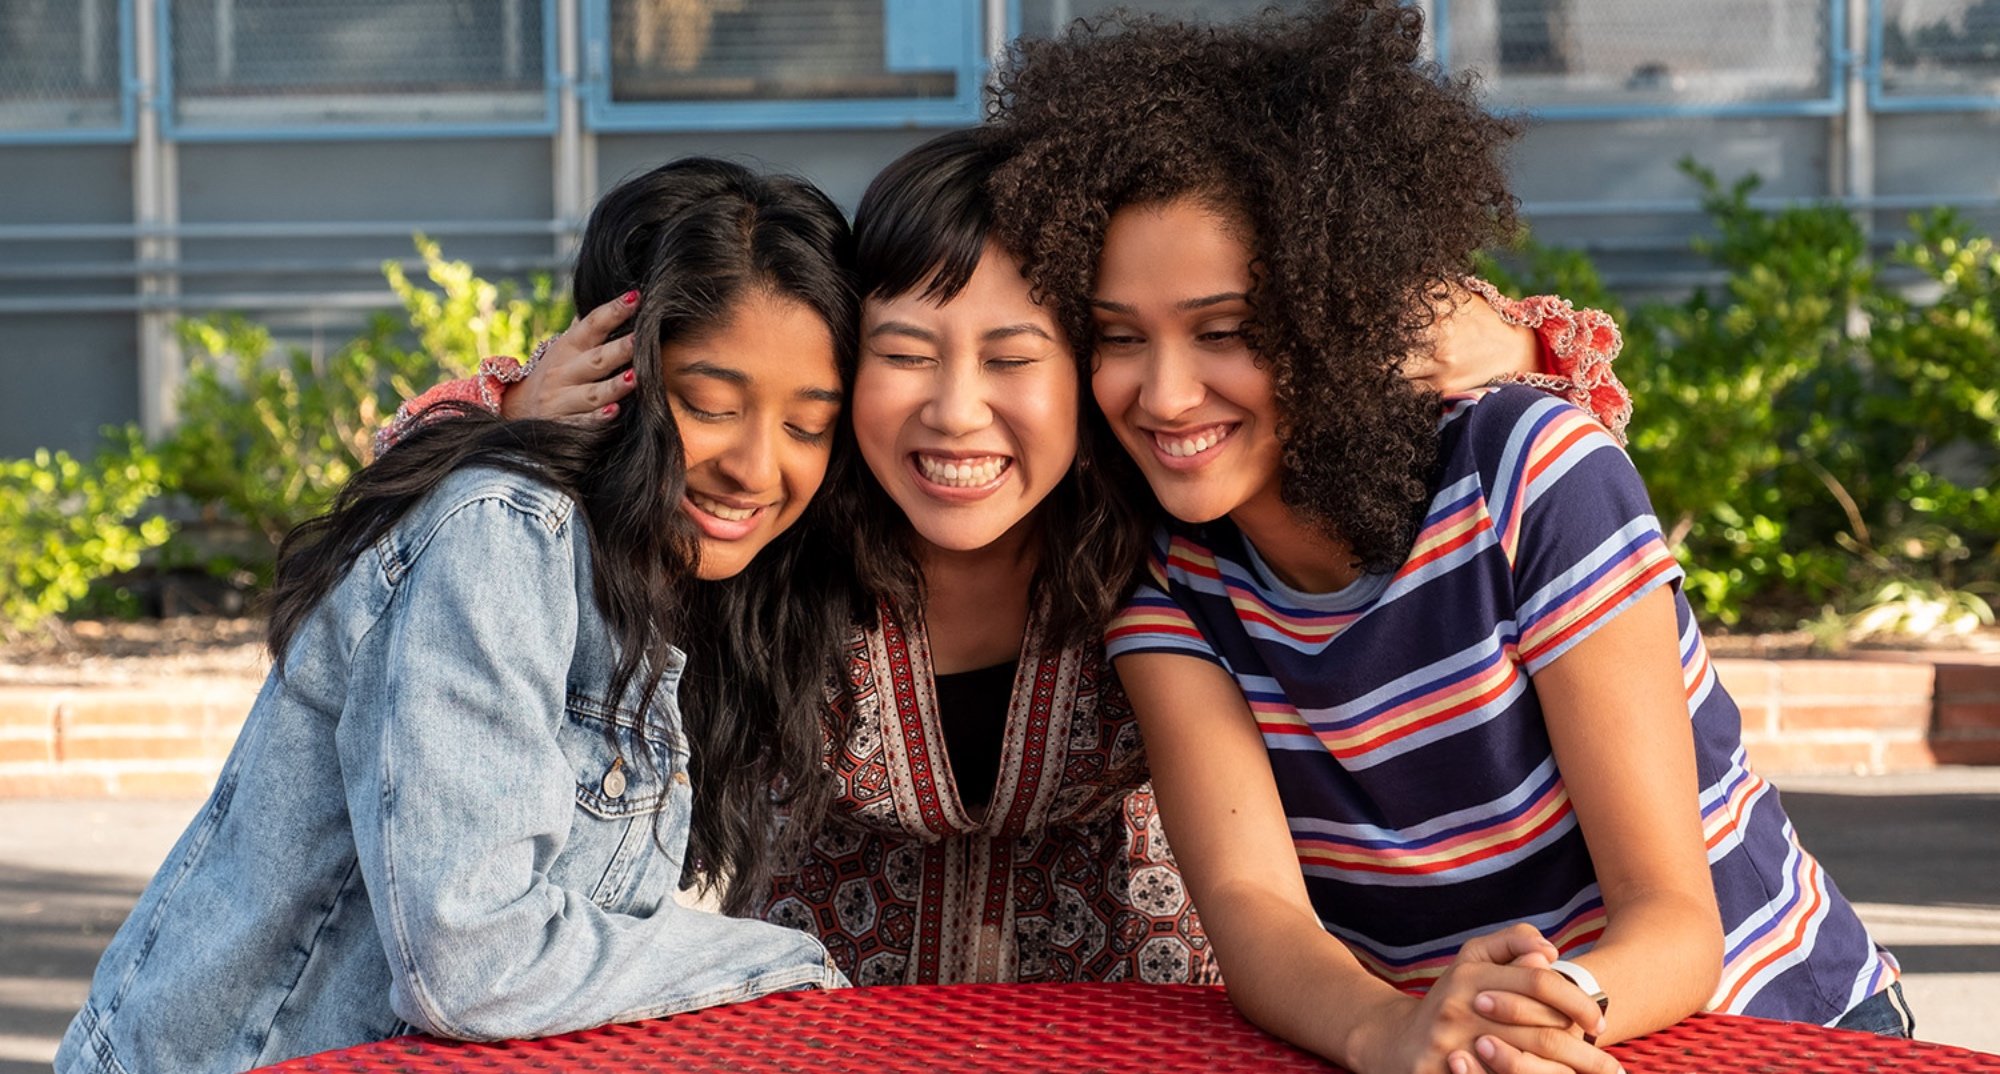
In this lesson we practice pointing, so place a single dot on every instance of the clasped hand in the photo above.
(1498, 1008)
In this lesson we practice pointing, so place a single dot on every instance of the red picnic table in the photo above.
(1069, 1029)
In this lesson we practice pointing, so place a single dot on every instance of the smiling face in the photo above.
(966, 412)
(756, 400)
(1173, 373)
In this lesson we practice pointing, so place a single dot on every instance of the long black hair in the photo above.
(692, 237)
(921, 228)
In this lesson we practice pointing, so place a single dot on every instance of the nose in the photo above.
(751, 459)
(1171, 384)
(958, 404)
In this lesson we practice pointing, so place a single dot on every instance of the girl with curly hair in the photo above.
(990, 819)
(1433, 731)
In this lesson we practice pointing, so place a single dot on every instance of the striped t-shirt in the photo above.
(1408, 746)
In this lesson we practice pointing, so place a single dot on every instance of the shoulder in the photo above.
(1498, 430)
(490, 512)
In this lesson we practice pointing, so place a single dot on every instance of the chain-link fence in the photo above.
(1644, 54)
(61, 67)
(259, 63)
(1605, 56)
(1941, 48)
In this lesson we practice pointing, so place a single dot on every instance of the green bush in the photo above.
(1812, 435)
(265, 438)
(65, 523)
(268, 438)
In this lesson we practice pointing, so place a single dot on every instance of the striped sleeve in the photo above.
(1153, 620)
(1577, 527)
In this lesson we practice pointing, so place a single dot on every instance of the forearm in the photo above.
(1292, 978)
(575, 966)
(1658, 961)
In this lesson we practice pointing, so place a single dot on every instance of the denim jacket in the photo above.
(435, 820)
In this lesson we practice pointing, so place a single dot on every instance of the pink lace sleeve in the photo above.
(1578, 347)
(482, 389)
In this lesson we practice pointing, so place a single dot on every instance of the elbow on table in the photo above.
(492, 1016)
(473, 991)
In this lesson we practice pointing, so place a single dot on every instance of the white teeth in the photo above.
(1192, 445)
(720, 510)
(963, 473)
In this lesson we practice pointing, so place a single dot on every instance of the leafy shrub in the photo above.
(268, 438)
(1811, 434)
(64, 523)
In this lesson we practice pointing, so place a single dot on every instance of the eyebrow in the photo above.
(902, 328)
(1006, 331)
(1203, 302)
(741, 379)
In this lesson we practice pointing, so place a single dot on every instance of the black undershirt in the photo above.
(972, 706)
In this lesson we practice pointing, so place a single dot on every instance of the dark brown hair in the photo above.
(1362, 179)
(693, 237)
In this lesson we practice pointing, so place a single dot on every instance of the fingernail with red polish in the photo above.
(630, 298)
(610, 409)
(630, 376)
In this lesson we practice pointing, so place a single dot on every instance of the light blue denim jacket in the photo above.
(436, 821)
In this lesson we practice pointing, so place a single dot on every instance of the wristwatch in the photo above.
(1584, 979)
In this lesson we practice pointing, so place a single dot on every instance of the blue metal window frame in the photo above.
(127, 127)
(1881, 100)
(602, 113)
(172, 128)
(1833, 104)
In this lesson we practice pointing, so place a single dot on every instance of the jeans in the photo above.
(1886, 1013)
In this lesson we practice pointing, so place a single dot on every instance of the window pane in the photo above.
(1045, 18)
(1643, 52)
(780, 50)
(59, 64)
(1941, 48)
(252, 62)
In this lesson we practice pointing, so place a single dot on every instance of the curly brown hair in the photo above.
(1363, 180)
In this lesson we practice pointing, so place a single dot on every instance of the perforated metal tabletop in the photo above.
(1070, 1029)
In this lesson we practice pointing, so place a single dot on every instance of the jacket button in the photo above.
(681, 778)
(614, 779)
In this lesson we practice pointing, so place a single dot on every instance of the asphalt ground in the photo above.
(1918, 853)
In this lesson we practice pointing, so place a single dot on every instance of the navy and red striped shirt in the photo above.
(1409, 748)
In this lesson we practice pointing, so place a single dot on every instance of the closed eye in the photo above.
(699, 414)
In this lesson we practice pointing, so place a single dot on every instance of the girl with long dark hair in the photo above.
(1449, 772)
(491, 749)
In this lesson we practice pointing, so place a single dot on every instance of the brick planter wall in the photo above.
(1967, 727)
(162, 740)
(1893, 713)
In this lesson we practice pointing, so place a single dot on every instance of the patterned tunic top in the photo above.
(1065, 877)
(1408, 745)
